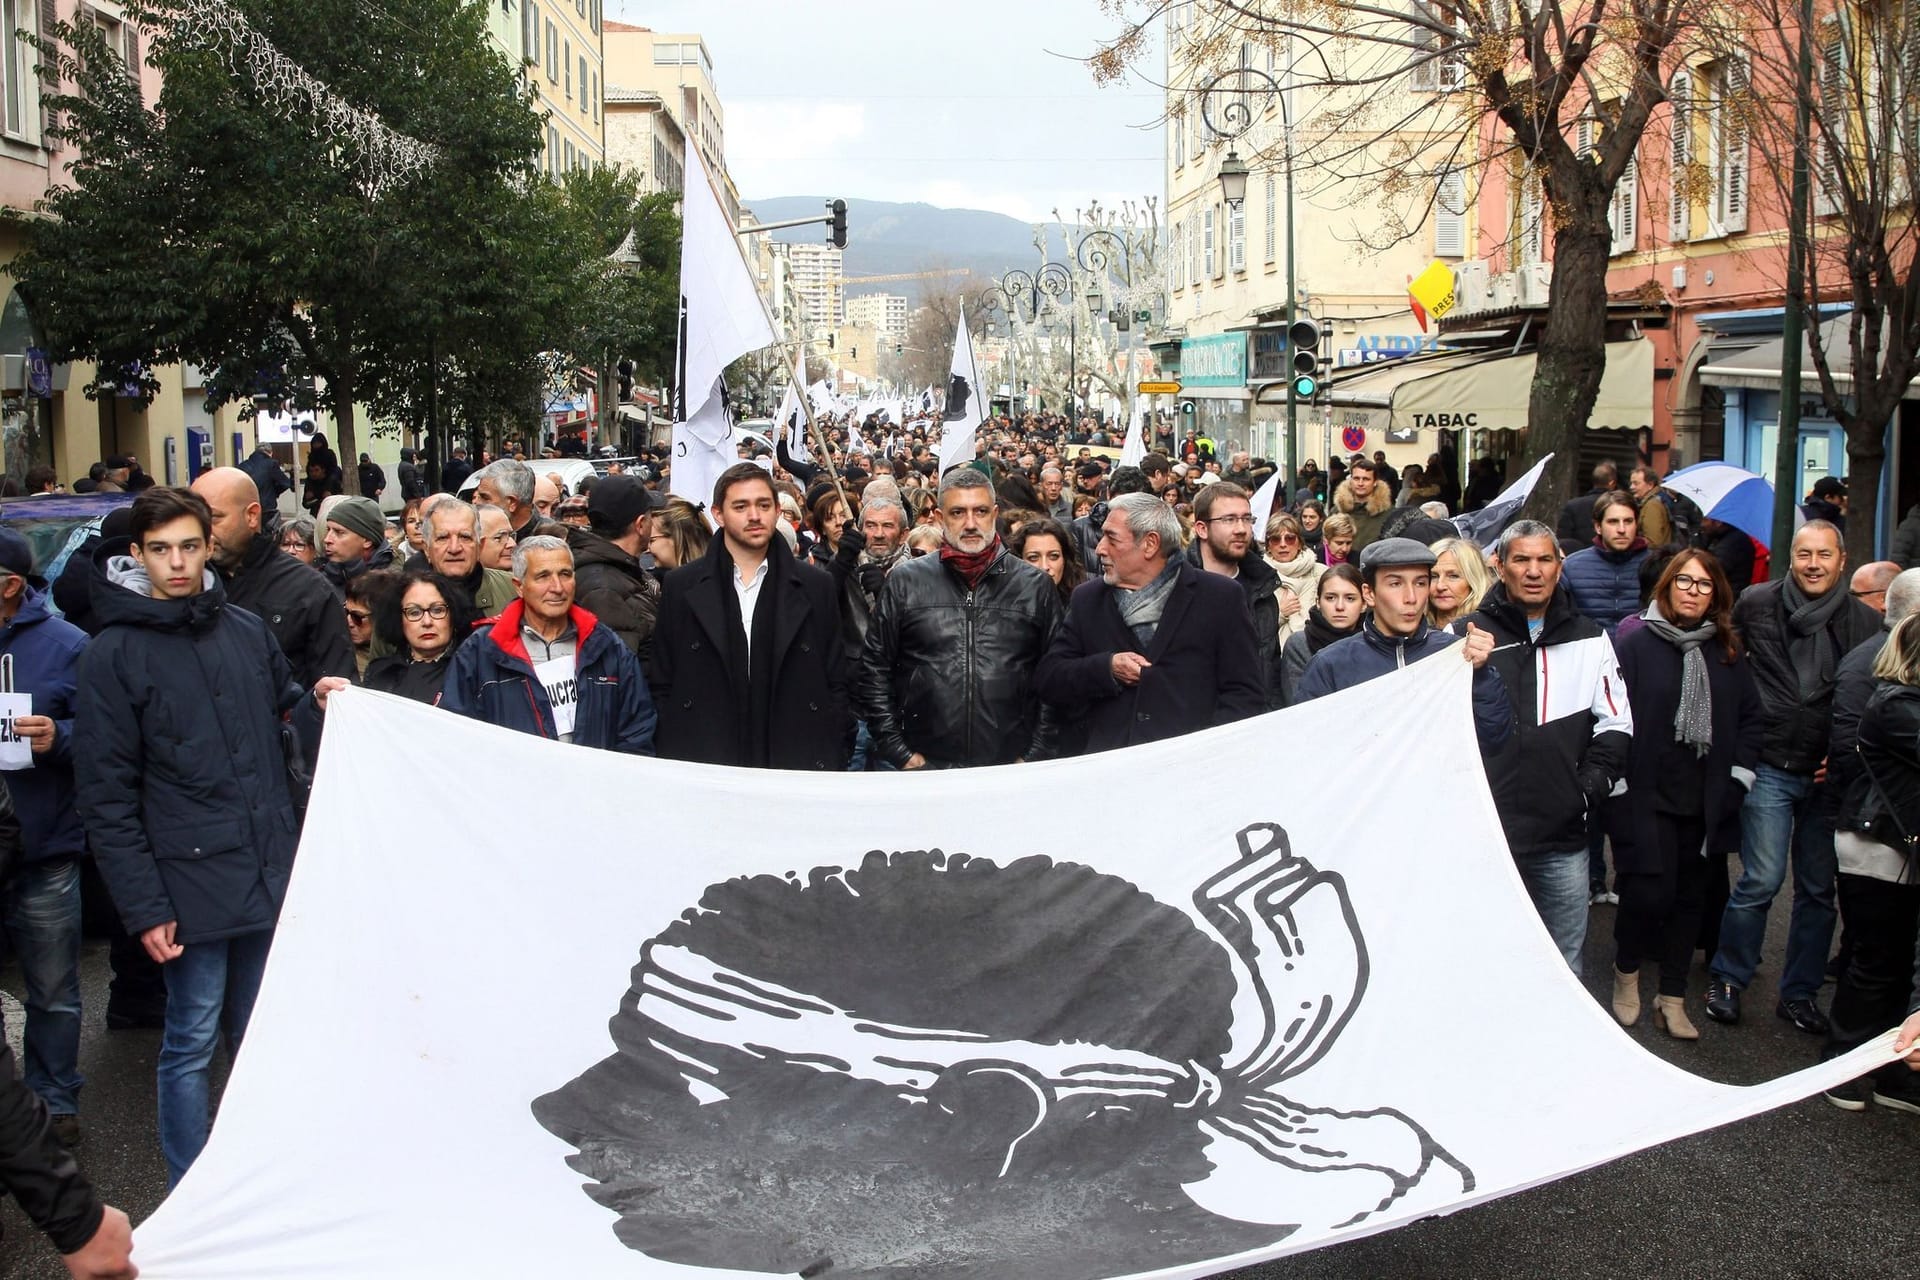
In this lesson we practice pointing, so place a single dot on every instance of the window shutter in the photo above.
(1833, 116)
(1237, 236)
(1583, 137)
(1272, 218)
(1679, 210)
(1179, 141)
(1207, 237)
(1180, 254)
(1731, 186)
(1450, 215)
(1424, 65)
(1625, 214)
(1193, 249)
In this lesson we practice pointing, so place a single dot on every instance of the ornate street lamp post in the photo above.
(1056, 282)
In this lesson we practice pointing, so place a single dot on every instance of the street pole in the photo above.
(1293, 418)
(1786, 451)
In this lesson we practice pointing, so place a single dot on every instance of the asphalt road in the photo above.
(1807, 1190)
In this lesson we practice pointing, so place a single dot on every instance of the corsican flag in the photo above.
(721, 319)
(792, 420)
(966, 402)
(1484, 526)
(1134, 447)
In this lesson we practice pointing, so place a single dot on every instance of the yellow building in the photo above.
(564, 65)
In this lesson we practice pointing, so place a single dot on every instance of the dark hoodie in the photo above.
(179, 770)
(298, 606)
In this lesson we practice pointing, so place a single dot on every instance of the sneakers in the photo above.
(66, 1130)
(1898, 1091)
(1601, 898)
(1804, 1014)
(1723, 1001)
(1851, 1095)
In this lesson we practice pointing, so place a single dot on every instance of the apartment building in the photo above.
(679, 69)
(644, 138)
(886, 313)
(817, 273)
(561, 40)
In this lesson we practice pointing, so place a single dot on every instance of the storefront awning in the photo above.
(1479, 391)
(1759, 368)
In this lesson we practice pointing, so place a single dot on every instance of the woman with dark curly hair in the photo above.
(1045, 544)
(423, 625)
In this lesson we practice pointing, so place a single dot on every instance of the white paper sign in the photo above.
(563, 690)
(15, 751)
(868, 1022)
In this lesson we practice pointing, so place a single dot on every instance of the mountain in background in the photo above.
(884, 238)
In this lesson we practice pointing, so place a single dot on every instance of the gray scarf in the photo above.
(1141, 609)
(1810, 643)
(1693, 719)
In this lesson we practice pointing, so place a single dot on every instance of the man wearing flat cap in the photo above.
(1396, 576)
(609, 581)
(355, 540)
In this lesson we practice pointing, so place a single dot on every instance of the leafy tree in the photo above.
(228, 227)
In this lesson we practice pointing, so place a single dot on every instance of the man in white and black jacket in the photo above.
(1575, 726)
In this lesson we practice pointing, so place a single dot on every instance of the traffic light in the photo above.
(1303, 358)
(837, 233)
(1186, 408)
(624, 372)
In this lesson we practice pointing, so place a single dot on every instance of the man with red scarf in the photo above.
(946, 679)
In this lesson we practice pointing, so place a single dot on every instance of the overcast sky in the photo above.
(965, 105)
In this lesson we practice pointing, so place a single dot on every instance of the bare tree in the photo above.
(1861, 236)
(1510, 82)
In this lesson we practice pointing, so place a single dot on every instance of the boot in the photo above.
(1626, 997)
(1670, 1015)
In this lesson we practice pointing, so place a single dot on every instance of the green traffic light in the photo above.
(1304, 387)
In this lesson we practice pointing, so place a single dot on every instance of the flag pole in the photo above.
(819, 437)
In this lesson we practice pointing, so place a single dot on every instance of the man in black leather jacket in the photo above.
(946, 678)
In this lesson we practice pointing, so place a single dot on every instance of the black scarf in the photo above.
(1321, 633)
(1810, 642)
(752, 675)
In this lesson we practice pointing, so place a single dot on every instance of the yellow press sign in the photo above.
(1433, 289)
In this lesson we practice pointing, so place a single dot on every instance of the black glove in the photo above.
(852, 543)
(873, 576)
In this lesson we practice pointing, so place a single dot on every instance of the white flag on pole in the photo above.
(966, 402)
(1265, 498)
(721, 319)
(1134, 448)
(792, 419)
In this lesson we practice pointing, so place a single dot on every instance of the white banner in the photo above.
(871, 1026)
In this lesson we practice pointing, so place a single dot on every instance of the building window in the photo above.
(566, 68)
(1272, 220)
(596, 95)
(1179, 141)
(553, 54)
(1450, 214)
(1193, 250)
(1237, 236)
(1430, 69)
(530, 32)
(553, 150)
(1624, 215)
(1680, 147)
(21, 86)
(1727, 135)
(1206, 233)
(580, 7)
(1179, 255)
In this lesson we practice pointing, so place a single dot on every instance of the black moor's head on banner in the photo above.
(931, 1064)
(959, 391)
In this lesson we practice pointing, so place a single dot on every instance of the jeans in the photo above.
(1784, 813)
(1597, 847)
(40, 918)
(1557, 883)
(211, 988)
(1874, 989)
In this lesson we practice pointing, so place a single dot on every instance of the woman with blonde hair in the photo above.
(1336, 540)
(1461, 580)
(1299, 571)
(680, 535)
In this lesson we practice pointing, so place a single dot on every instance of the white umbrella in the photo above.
(1732, 495)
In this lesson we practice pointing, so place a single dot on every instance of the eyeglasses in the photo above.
(1284, 538)
(1699, 586)
(358, 617)
(1232, 520)
(415, 612)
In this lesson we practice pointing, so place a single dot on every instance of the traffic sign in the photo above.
(1353, 439)
(1159, 388)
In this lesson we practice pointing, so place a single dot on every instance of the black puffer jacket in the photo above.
(610, 584)
(1261, 586)
(178, 765)
(949, 672)
(297, 605)
(1797, 728)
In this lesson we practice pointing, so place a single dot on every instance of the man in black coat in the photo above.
(747, 666)
(455, 473)
(292, 598)
(1796, 630)
(1223, 544)
(1575, 526)
(182, 785)
(1155, 649)
(268, 476)
(609, 581)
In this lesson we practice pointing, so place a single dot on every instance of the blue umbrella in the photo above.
(1732, 495)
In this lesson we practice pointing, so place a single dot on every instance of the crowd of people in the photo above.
(1635, 692)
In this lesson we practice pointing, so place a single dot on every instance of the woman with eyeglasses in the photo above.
(365, 592)
(423, 625)
(1299, 569)
(1696, 744)
(296, 539)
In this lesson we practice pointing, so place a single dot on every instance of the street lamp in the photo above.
(1056, 282)
(1230, 112)
(1109, 253)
